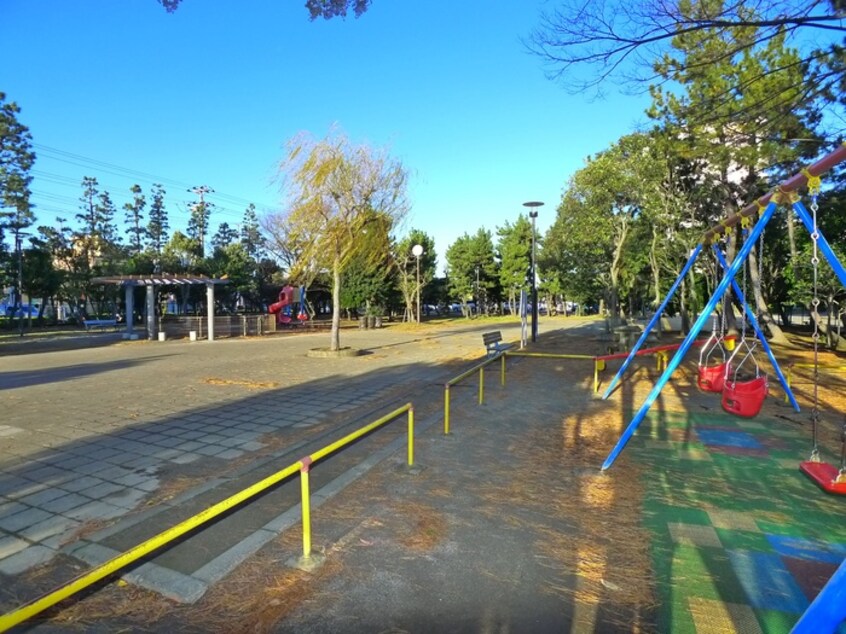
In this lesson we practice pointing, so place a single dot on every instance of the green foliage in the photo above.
(16, 161)
(515, 256)
(406, 263)
(344, 201)
(472, 269)
(135, 220)
(157, 225)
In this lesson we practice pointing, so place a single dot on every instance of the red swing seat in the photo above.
(712, 378)
(824, 475)
(745, 398)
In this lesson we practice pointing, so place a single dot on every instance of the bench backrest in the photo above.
(491, 337)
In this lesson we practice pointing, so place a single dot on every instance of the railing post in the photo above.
(481, 385)
(411, 436)
(306, 506)
(446, 409)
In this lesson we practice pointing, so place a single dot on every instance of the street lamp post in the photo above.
(533, 214)
(417, 251)
(477, 291)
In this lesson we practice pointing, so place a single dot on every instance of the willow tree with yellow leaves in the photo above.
(342, 204)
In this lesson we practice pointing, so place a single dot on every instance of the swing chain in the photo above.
(815, 302)
(841, 475)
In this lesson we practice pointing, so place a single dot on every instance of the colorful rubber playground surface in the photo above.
(741, 541)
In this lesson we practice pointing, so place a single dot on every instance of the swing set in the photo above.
(738, 376)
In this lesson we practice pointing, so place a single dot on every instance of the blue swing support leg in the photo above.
(764, 344)
(822, 243)
(653, 321)
(766, 215)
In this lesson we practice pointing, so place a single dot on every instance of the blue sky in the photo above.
(127, 93)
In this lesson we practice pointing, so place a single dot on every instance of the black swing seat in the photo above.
(824, 475)
(745, 398)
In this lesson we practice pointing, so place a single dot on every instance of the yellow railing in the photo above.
(308, 461)
(156, 542)
(480, 368)
(598, 363)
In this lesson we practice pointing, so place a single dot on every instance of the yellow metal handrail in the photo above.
(27, 611)
(309, 460)
(598, 363)
(481, 369)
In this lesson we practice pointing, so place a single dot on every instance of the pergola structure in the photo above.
(150, 282)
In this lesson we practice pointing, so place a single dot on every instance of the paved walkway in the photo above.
(90, 435)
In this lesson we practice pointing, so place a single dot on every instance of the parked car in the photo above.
(26, 310)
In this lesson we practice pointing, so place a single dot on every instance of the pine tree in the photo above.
(134, 218)
(16, 160)
(251, 236)
(157, 225)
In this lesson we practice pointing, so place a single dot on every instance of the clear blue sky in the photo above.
(125, 92)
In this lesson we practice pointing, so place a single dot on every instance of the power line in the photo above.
(84, 161)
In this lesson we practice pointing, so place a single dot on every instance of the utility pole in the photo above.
(19, 235)
(199, 209)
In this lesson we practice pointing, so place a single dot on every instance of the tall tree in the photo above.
(515, 256)
(135, 219)
(472, 270)
(224, 236)
(16, 161)
(735, 139)
(198, 224)
(343, 201)
(405, 265)
(620, 39)
(157, 226)
(251, 236)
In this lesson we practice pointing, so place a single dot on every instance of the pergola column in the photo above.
(151, 312)
(129, 293)
(210, 310)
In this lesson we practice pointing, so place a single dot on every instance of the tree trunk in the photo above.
(764, 314)
(335, 339)
(656, 270)
(787, 315)
(685, 317)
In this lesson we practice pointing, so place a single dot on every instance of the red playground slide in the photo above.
(286, 298)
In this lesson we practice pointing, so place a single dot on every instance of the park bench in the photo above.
(492, 342)
(99, 323)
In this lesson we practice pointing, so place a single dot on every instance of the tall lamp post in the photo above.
(533, 214)
(417, 251)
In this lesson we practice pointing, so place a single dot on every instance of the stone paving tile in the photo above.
(186, 458)
(42, 497)
(54, 525)
(96, 509)
(81, 483)
(23, 519)
(65, 503)
(10, 507)
(10, 545)
(26, 559)
(101, 490)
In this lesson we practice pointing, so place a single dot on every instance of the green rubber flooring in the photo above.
(742, 540)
